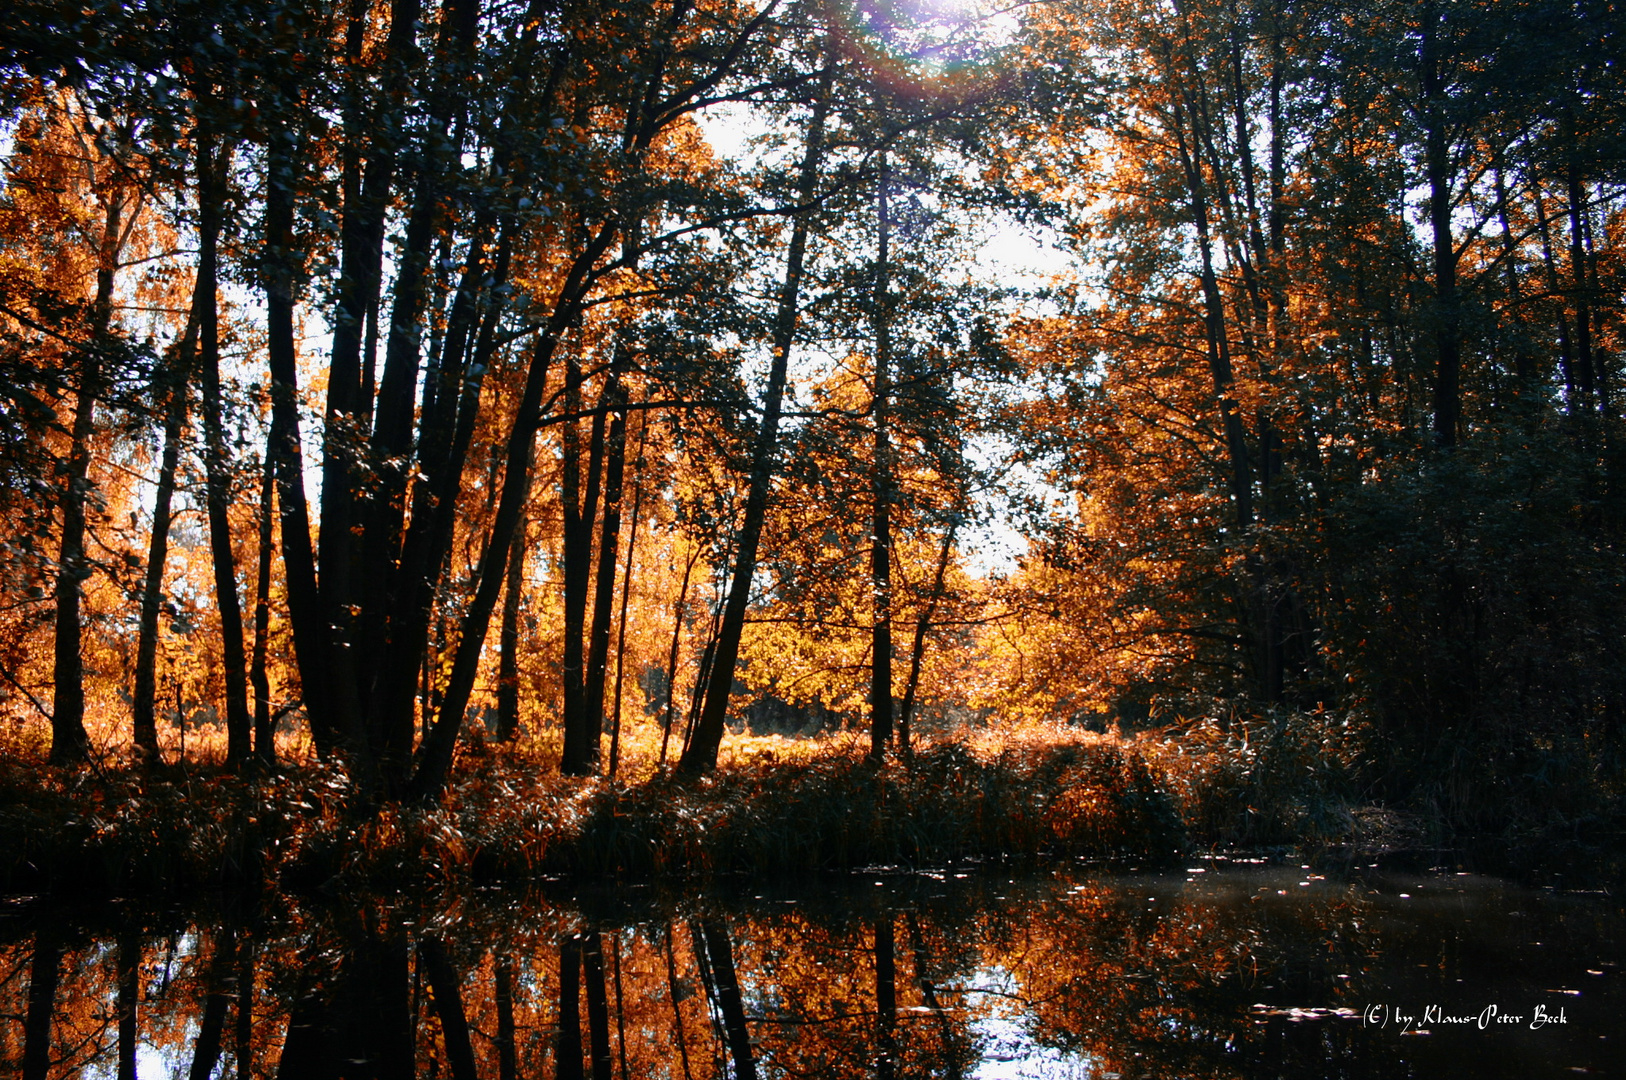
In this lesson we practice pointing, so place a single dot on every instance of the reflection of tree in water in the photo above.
(858, 984)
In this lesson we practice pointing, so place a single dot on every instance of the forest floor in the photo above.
(775, 805)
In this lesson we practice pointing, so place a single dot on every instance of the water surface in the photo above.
(1215, 968)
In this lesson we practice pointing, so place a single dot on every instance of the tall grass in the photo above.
(774, 806)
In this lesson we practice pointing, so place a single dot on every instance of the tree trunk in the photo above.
(69, 742)
(880, 564)
(212, 1025)
(598, 1011)
(508, 642)
(609, 546)
(507, 1063)
(144, 704)
(580, 752)
(669, 706)
(305, 615)
(42, 977)
(673, 996)
(211, 166)
(917, 651)
(1219, 350)
(720, 959)
(568, 1052)
(701, 754)
(454, 1023)
(129, 999)
(1447, 318)
(265, 744)
(886, 998)
(626, 597)
(434, 757)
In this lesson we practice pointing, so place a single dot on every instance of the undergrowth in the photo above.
(773, 807)
(508, 817)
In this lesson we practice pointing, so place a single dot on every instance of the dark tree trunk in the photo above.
(880, 564)
(1586, 366)
(886, 998)
(598, 1015)
(42, 976)
(305, 615)
(129, 999)
(917, 650)
(1437, 164)
(675, 998)
(609, 546)
(211, 166)
(701, 754)
(212, 1025)
(265, 745)
(626, 597)
(454, 1023)
(720, 960)
(568, 1054)
(669, 706)
(69, 742)
(144, 704)
(1566, 356)
(508, 662)
(435, 755)
(580, 494)
(245, 1010)
(507, 1063)
(1219, 350)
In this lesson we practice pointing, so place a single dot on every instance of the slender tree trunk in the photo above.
(720, 959)
(1447, 318)
(129, 998)
(609, 546)
(669, 707)
(620, 1005)
(917, 650)
(42, 978)
(265, 745)
(580, 493)
(626, 596)
(598, 1010)
(69, 742)
(701, 754)
(924, 982)
(1566, 356)
(1219, 350)
(507, 1063)
(886, 998)
(1585, 361)
(305, 615)
(677, 1010)
(244, 1048)
(435, 755)
(144, 704)
(211, 166)
(880, 565)
(508, 661)
(212, 1025)
(454, 1024)
(568, 1052)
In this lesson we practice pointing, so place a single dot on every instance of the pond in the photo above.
(1212, 968)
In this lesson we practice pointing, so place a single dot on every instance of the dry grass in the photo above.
(774, 805)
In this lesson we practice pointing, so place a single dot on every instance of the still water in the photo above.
(1212, 968)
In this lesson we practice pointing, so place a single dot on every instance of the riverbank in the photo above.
(773, 807)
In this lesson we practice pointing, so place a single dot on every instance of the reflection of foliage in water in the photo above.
(1139, 975)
